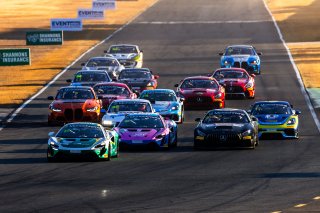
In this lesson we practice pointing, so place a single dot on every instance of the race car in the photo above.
(109, 64)
(276, 118)
(118, 109)
(86, 140)
(226, 128)
(89, 78)
(236, 81)
(166, 103)
(139, 79)
(128, 55)
(241, 56)
(148, 130)
(73, 104)
(110, 91)
(201, 92)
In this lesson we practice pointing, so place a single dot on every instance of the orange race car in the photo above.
(74, 104)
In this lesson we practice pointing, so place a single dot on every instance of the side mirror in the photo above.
(209, 75)
(254, 119)
(51, 134)
(105, 51)
(253, 75)
(68, 80)
(156, 76)
(298, 112)
(103, 111)
(182, 99)
(141, 51)
(100, 97)
(259, 53)
(220, 54)
(82, 64)
(114, 79)
(176, 85)
(197, 119)
(50, 98)
(249, 111)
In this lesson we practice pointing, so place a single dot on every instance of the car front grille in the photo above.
(234, 89)
(71, 114)
(236, 64)
(223, 137)
(199, 99)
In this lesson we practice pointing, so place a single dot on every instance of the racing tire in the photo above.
(257, 140)
(175, 143)
(109, 154)
(50, 159)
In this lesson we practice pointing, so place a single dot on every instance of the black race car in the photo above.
(225, 128)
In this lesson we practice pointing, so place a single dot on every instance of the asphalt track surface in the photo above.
(275, 176)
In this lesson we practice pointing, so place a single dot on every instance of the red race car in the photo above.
(236, 81)
(201, 92)
(107, 92)
(73, 104)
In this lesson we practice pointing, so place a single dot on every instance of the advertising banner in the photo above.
(15, 57)
(44, 38)
(68, 24)
(103, 5)
(90, 14)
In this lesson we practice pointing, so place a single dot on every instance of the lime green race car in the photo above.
(85, 140)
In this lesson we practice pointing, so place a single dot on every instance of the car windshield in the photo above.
(225, 117)
(111, 90)
(227, 74)
(239, 51)
(80, 131)
(199, 83)
(91, 77)
(135, 74)
(102, 63)
(72, 93)
(271, 108)
(116, 107)
(138, 121)
(123, 49)
(158, 96)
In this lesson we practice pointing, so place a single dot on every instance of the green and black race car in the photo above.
(87, 140)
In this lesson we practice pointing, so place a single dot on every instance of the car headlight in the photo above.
(53, 143)
(150, 84)
(246, 133)
(200, 133)
(160, 136)
(107, 123)
(253, 62)
(226, 62)
(55, 109)
(291, 121)
(174, 108)
(218, 95)
(249, 84)
(100, 145)
(134, 57)
(92, 109)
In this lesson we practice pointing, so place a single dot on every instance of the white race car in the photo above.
(110, 64)
(118, 109)
(128, 55)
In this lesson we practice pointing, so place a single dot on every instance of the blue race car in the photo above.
(166, 103)
(276, 118)
(241, 56)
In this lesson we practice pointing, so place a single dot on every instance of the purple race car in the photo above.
(147, 129)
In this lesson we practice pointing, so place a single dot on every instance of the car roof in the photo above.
(130, 45)
(136, 69)
(112, 84)
(91, 71)
(272, 102)
(103, 57)
(75, 87)
(153, 114)
(241, 45)
(200, 77)
(158, 90)
(132, 101)
(84, 123)
(227, 110)
(231, 68)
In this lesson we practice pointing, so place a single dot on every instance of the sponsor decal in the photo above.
(44, 38)
(90, 14)
(104, 4)
(15, 57)
(66, 24)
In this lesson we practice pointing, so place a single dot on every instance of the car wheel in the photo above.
(109, 154)
(175, 143)
(257, 140)
(117, 155)
(49, 159)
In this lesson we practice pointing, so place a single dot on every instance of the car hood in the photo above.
(73, 103)
(163, 105)
(122, 56)
(138, 134)
(135, 81)
(227, 127)
(198, 91)
(85, 83)
(78, 142)
(233, 81)
(272, 118)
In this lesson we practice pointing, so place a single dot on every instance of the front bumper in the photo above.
(222, 140)
(53, 153)
(161, 143)
(73, 115)
(203, 103)
(284, 132)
